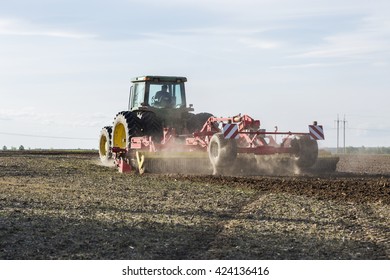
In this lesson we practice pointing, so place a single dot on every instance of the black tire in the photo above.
(151, 125)
(126, 125)
(305, 150)
(222, 152)
(196, 122)
(105, 153)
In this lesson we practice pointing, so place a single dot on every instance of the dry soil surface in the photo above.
(67, 206)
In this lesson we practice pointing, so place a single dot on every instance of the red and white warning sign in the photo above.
(316, 132)
(230, 131)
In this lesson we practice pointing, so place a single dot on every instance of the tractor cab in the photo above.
(157, 92)
(161, 98)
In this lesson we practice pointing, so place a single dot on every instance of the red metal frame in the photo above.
(251, 139)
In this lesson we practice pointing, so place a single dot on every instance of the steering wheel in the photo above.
(154, 101)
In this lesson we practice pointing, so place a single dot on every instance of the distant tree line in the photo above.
(21, 148)
(367, 150)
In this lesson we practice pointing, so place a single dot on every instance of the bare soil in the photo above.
(67, 206)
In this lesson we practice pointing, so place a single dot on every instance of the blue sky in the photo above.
(65, 66)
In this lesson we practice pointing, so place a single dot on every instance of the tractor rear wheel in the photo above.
(151, 125)
(105, 144)
(306, 151)
(126, 125)
(196, 122)
(222, 152)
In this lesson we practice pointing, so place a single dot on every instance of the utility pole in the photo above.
(338, 129)
(344, 121)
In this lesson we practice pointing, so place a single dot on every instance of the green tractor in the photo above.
(157, 108)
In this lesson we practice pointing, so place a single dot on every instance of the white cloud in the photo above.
(307, 65)
(17, 27)
(25, 113)
(34, 116)
(370, 38)
(380, 64)
(260, 43)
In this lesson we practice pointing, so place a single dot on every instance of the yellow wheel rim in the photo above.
(103, 147)
(119, 137)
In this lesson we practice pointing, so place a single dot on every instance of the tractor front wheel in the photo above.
(105, 153)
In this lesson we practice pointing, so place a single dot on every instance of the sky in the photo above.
(66, 65)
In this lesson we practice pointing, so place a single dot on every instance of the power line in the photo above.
(46, 136)
(367, 116)
(360, 128)
(369, 129)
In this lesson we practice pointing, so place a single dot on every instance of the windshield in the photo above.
(166, 95)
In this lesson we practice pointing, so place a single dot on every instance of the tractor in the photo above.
(157, 108)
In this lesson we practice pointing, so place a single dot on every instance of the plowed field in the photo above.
(67, 206)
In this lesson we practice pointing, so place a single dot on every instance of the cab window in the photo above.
(166, 95)
(138, 94)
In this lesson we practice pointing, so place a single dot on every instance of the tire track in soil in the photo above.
(338, 187)
(227, 223)
(365, 235)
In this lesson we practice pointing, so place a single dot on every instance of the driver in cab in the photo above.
(163, 98)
